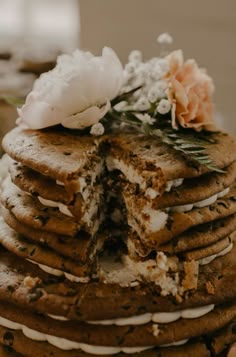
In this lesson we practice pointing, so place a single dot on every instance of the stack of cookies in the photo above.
(116, 246)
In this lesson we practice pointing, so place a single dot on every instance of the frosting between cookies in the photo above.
(178, 343)
(210, 258)
(58, 272)
(159, 317)
(199, 204)
(65, 344)
(90, 210)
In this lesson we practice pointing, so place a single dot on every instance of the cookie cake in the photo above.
(118, 213)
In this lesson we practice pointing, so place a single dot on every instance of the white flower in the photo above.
(142, 104)
(97, 129)
(137, 94)
(157, 91)
(76, 93)
(164, 65)
(164, 106)
(135, 56)
(165, 38)
(130, 68)
(121, 106)
(153, 94)
(142, 71)
(146, 118)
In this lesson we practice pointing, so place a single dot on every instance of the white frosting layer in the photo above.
(62, 208)
(58, 272)
(32, 334)
(151, 193)
(91, 176)
(156, 219)
(57, 317)
(206, 202)
(133, 176)
(60, 183)
(159, 317)
(174, 183)
(65, 344)
(128, 171)
(209, 259)
(134, 320)
(177, 343)
(90, 208)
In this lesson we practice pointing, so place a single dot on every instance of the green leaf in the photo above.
(15, 101)
(193, 147)
(124, 96)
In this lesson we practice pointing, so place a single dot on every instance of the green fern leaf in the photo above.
(193, 148)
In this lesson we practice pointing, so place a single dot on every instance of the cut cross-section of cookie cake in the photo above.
(118, 214)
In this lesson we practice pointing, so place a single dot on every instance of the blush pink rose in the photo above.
(190, 92)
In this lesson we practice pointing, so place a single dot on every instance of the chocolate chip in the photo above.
(8, 338)
(35, 295)
(223, 204)
(233, 328)
(42, 219)
(32, 252)
(141, 310)
(10, 288)
(22, 249)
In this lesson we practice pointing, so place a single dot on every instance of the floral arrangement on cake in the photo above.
(165, 96)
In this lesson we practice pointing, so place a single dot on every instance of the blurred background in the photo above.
(34, 32)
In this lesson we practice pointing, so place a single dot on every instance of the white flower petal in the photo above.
(113, 72)
(39, 115)
(86, 118)
(75, 90)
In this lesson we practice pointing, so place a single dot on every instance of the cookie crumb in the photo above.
(134, 283)
(179, 298)
(155, 330)
(191, 270)
(210, 288)
(30, 282)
